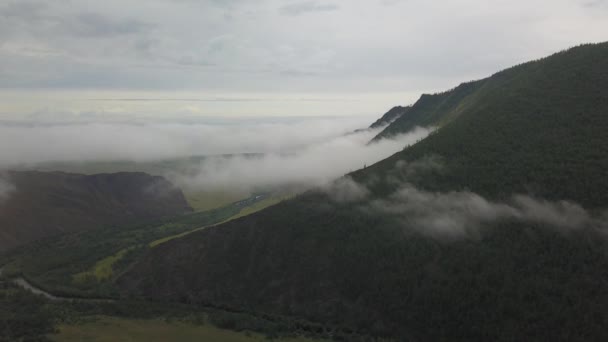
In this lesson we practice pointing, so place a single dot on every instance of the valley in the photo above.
(83, 264)
(31, 270)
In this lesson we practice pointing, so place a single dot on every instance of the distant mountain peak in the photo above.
(390, 116)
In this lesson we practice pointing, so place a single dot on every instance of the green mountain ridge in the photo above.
(519, 128)
(391, 116)
(431, 110)
(537, 129)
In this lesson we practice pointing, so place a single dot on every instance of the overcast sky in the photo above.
(267, 57)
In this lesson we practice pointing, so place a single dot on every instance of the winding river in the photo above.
(23, 283)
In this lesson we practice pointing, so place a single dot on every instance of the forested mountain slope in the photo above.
(534, 87)
(40, 204)
(430, 244)
(390, 116)
(538, 128)
(432, 110)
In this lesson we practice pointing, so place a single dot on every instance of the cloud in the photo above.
(47, 137)
(455, 214)
(303, 7)
(564, 214)
(316, 164)
(411, 171)
(363, 46)
(6, 188)
(23, 9)
(90, 24)
(37, 16)
(595, 4)
(461, 214)
(346, 190)
(241, 154)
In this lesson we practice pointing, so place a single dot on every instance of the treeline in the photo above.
(23, 317)
(27, 317)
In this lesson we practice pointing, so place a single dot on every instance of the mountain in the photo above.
(535, 128)
(432, 110)
(41, 204)
(520, 86)
(491, 228)
(390, 116)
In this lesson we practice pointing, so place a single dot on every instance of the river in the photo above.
(23, 283)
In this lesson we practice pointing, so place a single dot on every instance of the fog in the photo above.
(312, 165)
(30, 143)
(462, 213)
(296, 151)
(6, 188)
(456, 214)
(302, 151)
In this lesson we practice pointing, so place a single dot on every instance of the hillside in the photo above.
(42, 204)
(390, 116)
(432, 110)
(537, 128)
(555, 77)
(431, 245)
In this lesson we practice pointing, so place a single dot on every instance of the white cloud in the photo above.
(460, 214)
(313, 165)
(92, 139)
(456, 214)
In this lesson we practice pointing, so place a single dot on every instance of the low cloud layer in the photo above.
(240, 155)
(6, 189)
(457, 214)
(313, 165)
(30, 143)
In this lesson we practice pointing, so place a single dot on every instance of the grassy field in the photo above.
(208, 200)
(270, 201)
(103, 268)
(110, 329)
(177, 236)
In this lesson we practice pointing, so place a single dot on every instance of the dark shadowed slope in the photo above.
(39, 204)
(537, 129)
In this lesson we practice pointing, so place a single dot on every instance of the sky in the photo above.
(88, 80)
(120, 59)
